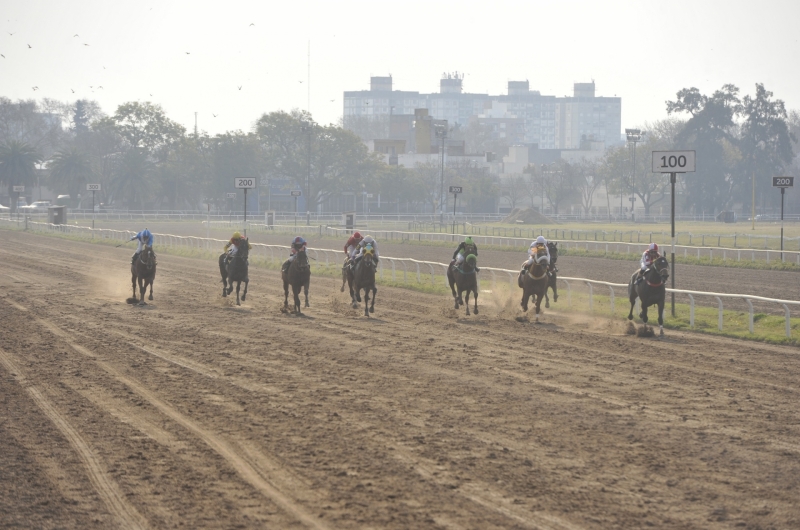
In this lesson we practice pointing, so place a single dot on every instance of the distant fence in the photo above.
(409, 267)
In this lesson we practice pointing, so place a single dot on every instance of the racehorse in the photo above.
(652, 290)
(534, 282)
(235, 270)
(347, 276)
(364, 278)
(465, 279)
(144, 270)
(298, 276)
(552, 273)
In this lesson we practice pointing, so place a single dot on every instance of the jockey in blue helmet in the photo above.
(144, 238)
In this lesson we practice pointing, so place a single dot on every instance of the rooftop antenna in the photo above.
(195, 123)
(308, 106)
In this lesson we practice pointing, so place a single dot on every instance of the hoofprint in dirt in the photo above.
(204, 415)
(771, 284)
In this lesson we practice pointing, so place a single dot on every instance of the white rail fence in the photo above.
(411, 267)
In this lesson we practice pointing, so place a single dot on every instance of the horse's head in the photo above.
(147, 256)
(369, 250)
(243, 250)
(553, 246)
(540, 255)
(661, 266)
(301, 261)
(470, 263)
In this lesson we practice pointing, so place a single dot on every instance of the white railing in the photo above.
(606, 247)
(416, 267)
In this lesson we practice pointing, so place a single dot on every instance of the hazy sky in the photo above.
(642, 51)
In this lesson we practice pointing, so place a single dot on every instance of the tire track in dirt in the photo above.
(237, 461)
(107, 489)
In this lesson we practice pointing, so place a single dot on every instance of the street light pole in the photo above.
(441, 132)
(308, 127)
(634, 136)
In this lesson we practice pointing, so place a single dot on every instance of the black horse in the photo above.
(652, 290)
(347, 276)
(552, 273)
(364, 278)
(464, 279)
(298, 275)
(235, 270)
(143, 269)
(534, 282)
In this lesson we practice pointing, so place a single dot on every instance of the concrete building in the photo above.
(522, 115)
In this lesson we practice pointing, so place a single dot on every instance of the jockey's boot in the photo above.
(133, 258)
(285, 266)
(639, 278)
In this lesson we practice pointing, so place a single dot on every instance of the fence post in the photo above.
(569, 292)
(788, 321)
(691, 311)
(612, 296)
(719, 323)
(591, 295)
(394, 277)
(750, 304)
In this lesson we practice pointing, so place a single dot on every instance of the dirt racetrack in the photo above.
(191, 412)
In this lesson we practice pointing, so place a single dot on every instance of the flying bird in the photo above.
(99, 87)
(76, 35)
(12, 34)
(85, 44)
(29, 46)
(333, 100)
(35, 88)
(151, 95)
(72, 91)
(213, 114)
(299, 81)
(3, 56)
(252, 24)
(187, 53)
(240, 87)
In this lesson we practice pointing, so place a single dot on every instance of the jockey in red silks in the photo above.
(648, 257)
(352, 245)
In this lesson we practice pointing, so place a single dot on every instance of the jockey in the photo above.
(232, 246)
(144, 238)
(352, 244)
(540, 242)
(465, 248)
(648, 257)
(369, 240)
(298, 244)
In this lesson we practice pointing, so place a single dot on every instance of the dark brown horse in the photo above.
(347, 276)
(235, 270)
(298, 275)
(364, 278)
(464, 279)
(552, 273)
(534, 282)
(652, 290)
(143, 269)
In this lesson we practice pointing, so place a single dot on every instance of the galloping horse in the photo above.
(465, 279)
(144, 269)
(347, 276)
(652, 290)
(235, 270)
(534, 282)
(298, 276)
(552, 273)
(364, 278)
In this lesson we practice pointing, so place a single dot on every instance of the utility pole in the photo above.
(308, 128)
(441, 132)
(634, 136)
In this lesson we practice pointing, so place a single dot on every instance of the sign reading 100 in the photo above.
(673, 161)
(244, 183)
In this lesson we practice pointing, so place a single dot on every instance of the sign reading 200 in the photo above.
(244, 183)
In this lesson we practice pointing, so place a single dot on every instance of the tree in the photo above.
(367, 127)
(428, 183)
(588, 179)
(70, 170)
(28, 122)
(559, 183)
(765, 143)
(513, 189)
(710, 131)
(132, 177)
(338, 159)
(18, 164)
(145, 126)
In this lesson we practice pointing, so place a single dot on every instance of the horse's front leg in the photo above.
(555, 289)
(632, 296)
(296, 293)
(372, 305)
(224, 287)
(133, 284)
(643, 314)
(344, 279)
(238, 286)
(305, 292)
(524, 303)
(151, 290)
(661, 319)
(285, 294)
(366, 302)
(244, 294)
(546, 299)
(142, 289)
(538, 305)
(475, 292)
(466, 301)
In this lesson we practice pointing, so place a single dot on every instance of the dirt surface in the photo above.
(191, 412)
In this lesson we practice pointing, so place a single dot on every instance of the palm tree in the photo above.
(70, 170)
(17, 164)
(132, 177)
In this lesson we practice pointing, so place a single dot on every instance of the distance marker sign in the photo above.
(782, 182)
(456, 189)
(673, 162)
(296, 193)
(244, 183)
(93, 187)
